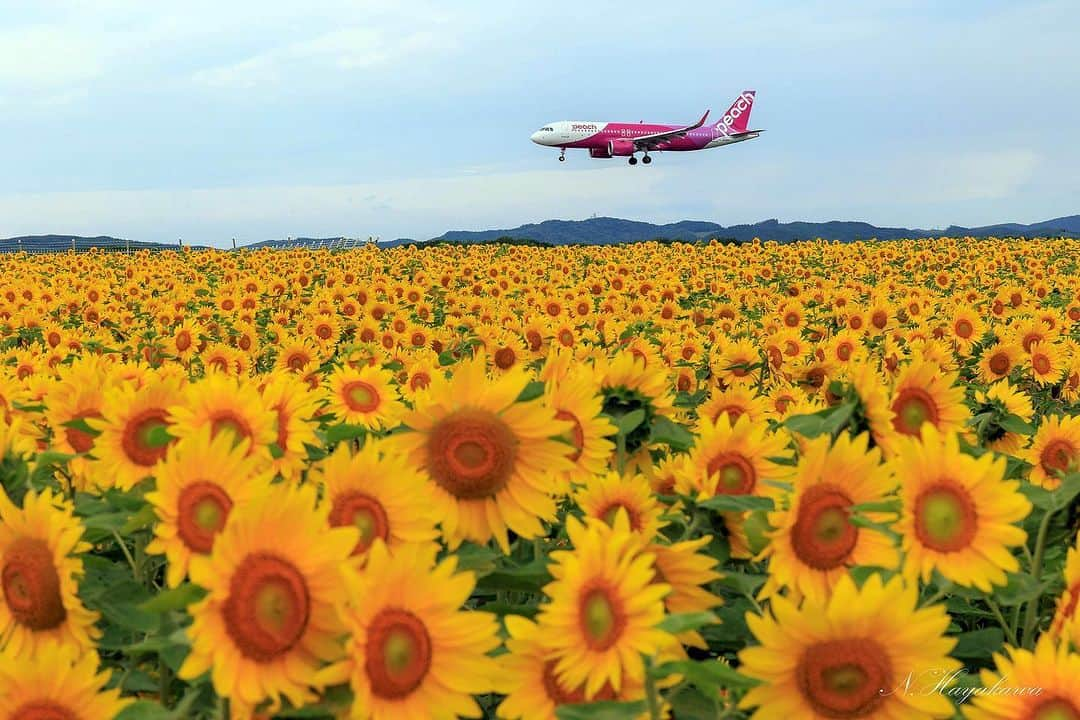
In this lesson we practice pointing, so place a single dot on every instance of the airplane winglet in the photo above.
(701, 122)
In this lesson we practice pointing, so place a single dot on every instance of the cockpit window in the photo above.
(547, 129)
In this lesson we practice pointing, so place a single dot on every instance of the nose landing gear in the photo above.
(645, 159)
(562, 155)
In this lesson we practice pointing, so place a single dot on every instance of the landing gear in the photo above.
(646, 159)
(632, 160)
(562, 155)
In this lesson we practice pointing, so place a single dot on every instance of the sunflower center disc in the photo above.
(734, 474)
(823, 537)
(1041, 363)
(183, 341)
(964, 329)
(201, 513)
(844, 678)
(471, 454)
(268, 607)
(1057, 456)
(945, 518)
(505, 358)
(229, 423)
(577, 434)
(1057, 708)
(999, 363)
(364, 512)
(32, 585)
(44, 710)
(601, 619)
(913, 407)
(137, 437)
(360, 396)
(398, 653)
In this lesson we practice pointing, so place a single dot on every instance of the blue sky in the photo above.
(256, 120)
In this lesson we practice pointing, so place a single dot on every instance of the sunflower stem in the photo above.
(1010, 631)
(651, 694)
(127, 553)
(620, 452)
(942, 592)
(1031, 616)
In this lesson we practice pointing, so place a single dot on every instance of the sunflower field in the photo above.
(651, 481)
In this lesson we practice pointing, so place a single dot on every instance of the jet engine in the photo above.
(621, 147)
(604, 152)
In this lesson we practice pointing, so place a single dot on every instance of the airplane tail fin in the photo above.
(737, 117)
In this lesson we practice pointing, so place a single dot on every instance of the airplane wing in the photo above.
(650, 142)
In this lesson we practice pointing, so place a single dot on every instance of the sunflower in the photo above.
(1047, 364)
(1034, 685)
(412, 651)
(736, 458)
(1054, 449)
(734, 402)
(998, 361)
(527, 677)
(737, 363)
(77, 394)
(633, 381)
(493, 461)
(575, 398)
(1066, 623)
(126, 447)
(965, 329)
(1004, 399)
(40, 571)
(298, 355)
(378, 493)
(295, 406)
(183, 341)
(199, 482)
(364, 396)
(274, 578)
(227, 406)
(604, 607)
(925, 395)
(815, 542)
(59, 684)
(959, 512)
(848, 656)
(686, 569)
(604, 495)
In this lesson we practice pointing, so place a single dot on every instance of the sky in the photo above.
(209, 121)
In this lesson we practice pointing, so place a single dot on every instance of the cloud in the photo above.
(44, 58)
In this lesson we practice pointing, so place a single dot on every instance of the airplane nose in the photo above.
(536, 137)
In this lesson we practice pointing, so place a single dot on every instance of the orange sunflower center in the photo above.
(913, 407)
(945, 517)
(471, 454)
(608, 512)
(297, 360)
(183, 340)
(360, 396)
(602, 617)
(1041, 363)
(1055, 708)
(734, 474)
(363, 512)
(844, 678)
(136, 437)
(1057, 456)
(32, 585)
(80, 440)
(268, 607)
(822, 537)
(505, 358)
(398, 653)
(577, 434)
(999, 363)
(201, 513)
(44, 710)
(964, 329)
(230, 422)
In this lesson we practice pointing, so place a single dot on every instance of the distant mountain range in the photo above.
(605, 231)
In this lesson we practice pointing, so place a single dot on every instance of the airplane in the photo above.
(615, 139)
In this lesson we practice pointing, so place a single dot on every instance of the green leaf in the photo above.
(742, 583)
(275, 451)
(177, 598)
(738, 503)
(480, 559)
(1016, 424)
(979, 643)
(806, 425)
(343, 431)
(838, 418)
(607, 710)
(144, 518)
(672, 434)
(158, 436)
(531, 391)
(81, 425)
(144, 710)
(684, 622)
(887, 506)
(707, 674)
(630, 421)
